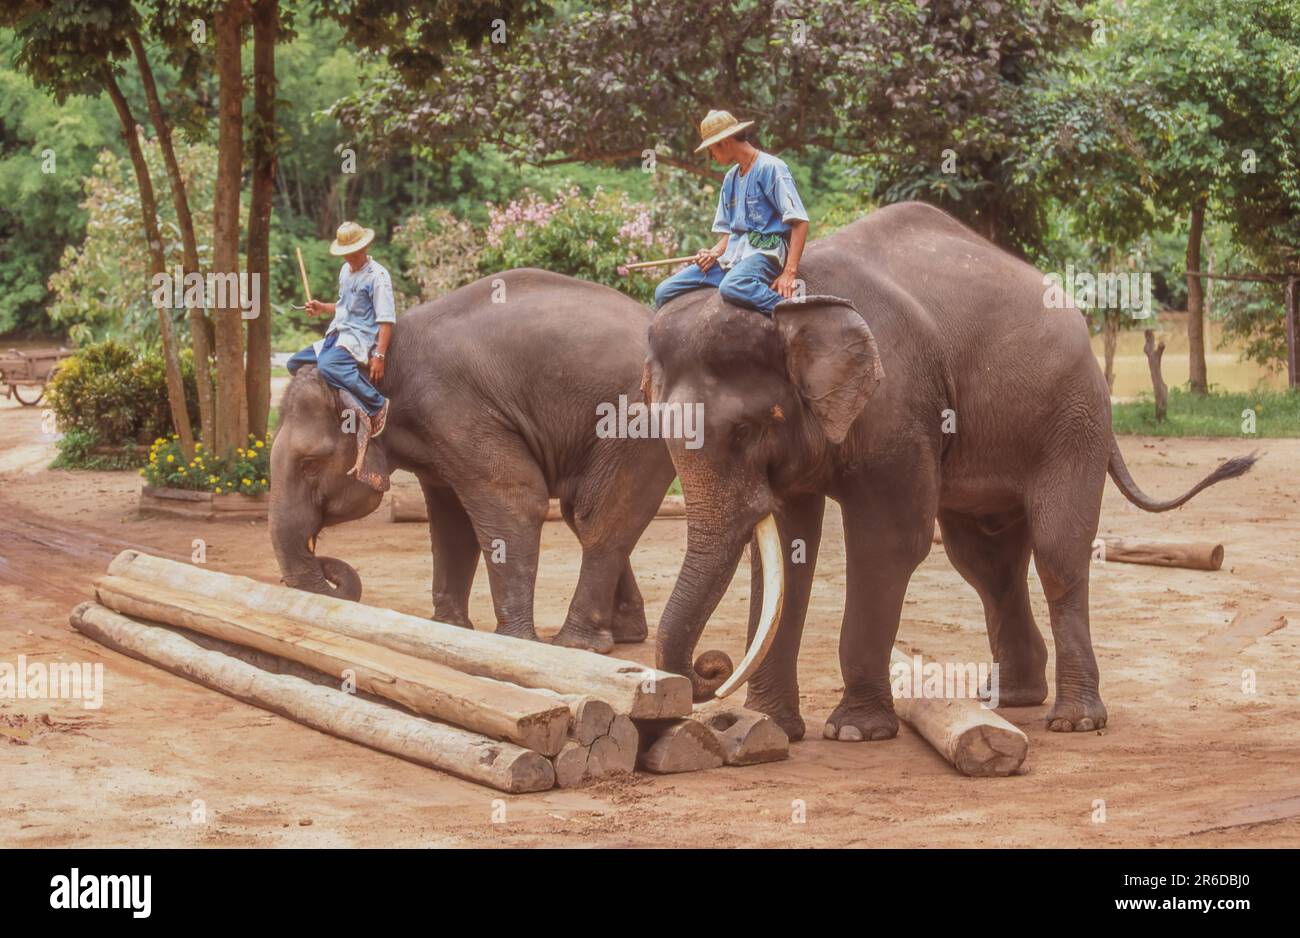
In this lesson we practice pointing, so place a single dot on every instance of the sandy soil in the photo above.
(1189, 759)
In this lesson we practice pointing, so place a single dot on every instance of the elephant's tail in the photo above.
(1238, 465)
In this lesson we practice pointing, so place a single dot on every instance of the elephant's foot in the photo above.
(518, 631)
(453, 617)
(858, 722)
(600, 641)
(783, 713)
(1016, 690)
(1077, 714)
(629, 625)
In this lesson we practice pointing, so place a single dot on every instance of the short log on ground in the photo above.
(973, 738)
(611, 753)
(1154, 553)
(746, 736)
(636, 690)
(224, 667)
(529, 719)
(678, 746)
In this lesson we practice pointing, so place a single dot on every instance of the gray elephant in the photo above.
(495, 390)
(936, 381)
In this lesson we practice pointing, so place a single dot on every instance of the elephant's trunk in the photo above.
(293, 536)
(706, 573)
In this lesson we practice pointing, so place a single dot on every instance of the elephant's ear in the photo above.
(372, 465)
(831, 357)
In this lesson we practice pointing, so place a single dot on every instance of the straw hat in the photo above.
(351, 238)
(719, 125)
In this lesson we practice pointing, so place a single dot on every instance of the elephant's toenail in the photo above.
(828, 731)
(850, 734)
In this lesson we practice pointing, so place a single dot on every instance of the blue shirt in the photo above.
(763, 200)
(365, 300)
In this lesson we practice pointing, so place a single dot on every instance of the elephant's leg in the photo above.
(628, 625)
(774, 688)
(887, 533)
(612, 505)
(455, 555)
(590, 613)
(508, 526)
(992, 554)
(1063, 529)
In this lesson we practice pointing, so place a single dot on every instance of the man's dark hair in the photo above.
(746, 136)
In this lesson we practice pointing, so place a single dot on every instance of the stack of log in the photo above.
(516, 716)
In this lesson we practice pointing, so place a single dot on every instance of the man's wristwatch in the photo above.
(379, 354)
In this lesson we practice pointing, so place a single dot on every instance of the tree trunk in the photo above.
(1110, 339)
(189, 243)
(266, 27)
(231, 429)
(1196, 303)
(1154, 354)
(157, 261)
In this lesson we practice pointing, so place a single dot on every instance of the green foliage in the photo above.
(591, 237)
(114, 395)
(1277, 414)
(247, 472)
(76, 451)
(441, 253)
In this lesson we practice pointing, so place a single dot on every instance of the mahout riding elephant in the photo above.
(932, 379)
(495, 392)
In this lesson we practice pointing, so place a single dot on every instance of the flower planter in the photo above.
(208, 506)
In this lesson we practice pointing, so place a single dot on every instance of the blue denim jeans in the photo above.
(748, 284)
(340, 370)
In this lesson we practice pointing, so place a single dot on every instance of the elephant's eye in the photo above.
(742, 433)
(311, 464)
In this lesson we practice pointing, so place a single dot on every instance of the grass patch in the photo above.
(1276, 414)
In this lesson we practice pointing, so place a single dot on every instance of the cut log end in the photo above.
(746, 736)
(986, 751)
(674, 746)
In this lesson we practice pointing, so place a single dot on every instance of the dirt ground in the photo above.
(1189, 758)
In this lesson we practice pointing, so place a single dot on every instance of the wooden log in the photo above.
(746, 736)
(973, 738)
(630, 688)
(519, 716)
(678, 746)
(1202, 556)
(219, 666)
(612, 753)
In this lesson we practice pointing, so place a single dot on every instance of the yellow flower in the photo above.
(264, 482)
(171, 458)
(217, 490)
(248, 482)
(198, 447)
(259, 444)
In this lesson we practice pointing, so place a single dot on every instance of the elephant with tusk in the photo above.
(934, 377)
(496, 390)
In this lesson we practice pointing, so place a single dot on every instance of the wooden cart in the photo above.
(23, 374)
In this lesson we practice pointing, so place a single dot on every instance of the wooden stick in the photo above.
(513, 714)
(643, 265)
(1191, 556)
(635, 690)
(973, 738)
(302, 269)
(224, 667)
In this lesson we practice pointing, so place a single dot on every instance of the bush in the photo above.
(591, 238)
(442, 254)
(247, 472)
(112, 395)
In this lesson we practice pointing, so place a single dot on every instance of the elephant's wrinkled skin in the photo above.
(849, 400)
(494, 393)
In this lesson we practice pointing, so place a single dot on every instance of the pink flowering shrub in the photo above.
(589, 237)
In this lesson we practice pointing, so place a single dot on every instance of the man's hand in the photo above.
(376, 369)
(785, 284)
(705, 259)
(315, 307)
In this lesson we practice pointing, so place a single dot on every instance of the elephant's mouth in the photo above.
(713, 674)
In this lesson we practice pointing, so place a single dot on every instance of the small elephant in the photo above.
(495, 392)
(938, 380)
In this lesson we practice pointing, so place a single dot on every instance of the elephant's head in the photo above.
(776, 394)
(316, 481)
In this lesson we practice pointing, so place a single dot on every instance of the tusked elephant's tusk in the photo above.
(769, 554)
